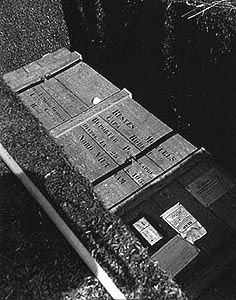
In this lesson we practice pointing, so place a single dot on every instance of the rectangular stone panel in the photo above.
(86, 83)
(134, 122)
(175, 255)
(207, 183)
(214, 188)
(44, 107)
(115, 189)
(171, 152)
(65, 98)
(84, 152)
(143, 170)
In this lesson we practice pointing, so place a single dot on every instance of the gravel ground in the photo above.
(28, 30)
(36, 262)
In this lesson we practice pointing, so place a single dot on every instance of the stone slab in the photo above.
(86, 154)
(134, 122)
(115, 189)
(65, 98)
(175, 255)
(44, 107)
(171, 152)
(86, 83)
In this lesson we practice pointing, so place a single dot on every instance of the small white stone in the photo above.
(96, 100)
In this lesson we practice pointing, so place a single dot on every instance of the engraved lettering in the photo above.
(113, 122)
(102, 160)
(150, 139)
(145, 168)
(137, 177)
(136, 141)
(89, 131)
(166, 154)
(120, 116)
(86, 144)
(120, 179)
(126, 148)
(105, 130)
(40, 95)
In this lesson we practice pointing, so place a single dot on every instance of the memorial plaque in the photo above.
(171, 152)
(147, 231)
(149, 210)
(175, 255)
(143, 170)
(209, 186)
(116, 145)
(44, 107)
(115, 189)
(84, 152)
(138, 125)
(183, 222)
(86, 83)
(217, 231)
(67, 100)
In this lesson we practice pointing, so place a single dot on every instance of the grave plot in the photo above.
(171, 194)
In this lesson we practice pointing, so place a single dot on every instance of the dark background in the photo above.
(181, 70)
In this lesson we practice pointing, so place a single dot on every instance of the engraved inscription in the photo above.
(83, 151)
(210, 186)
(143, 170)
(44, 107)
(139, 126)
(119, 148)
(171, 152)
(125, 120)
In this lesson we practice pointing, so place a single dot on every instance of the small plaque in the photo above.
(115, 189)
(44, 107)
(138, 125)
(171, 152)
(86, 83)
(84, 152)
(175, 255)
(143, 170)
(184, 223)
(147, 231)
(210, 186)
(117, 146)
(67, 100)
